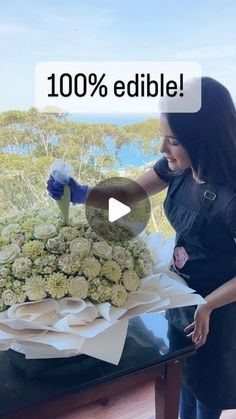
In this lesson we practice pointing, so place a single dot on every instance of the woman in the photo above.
(199, 170)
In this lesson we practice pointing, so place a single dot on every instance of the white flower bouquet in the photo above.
(42, 258)
(65, 291)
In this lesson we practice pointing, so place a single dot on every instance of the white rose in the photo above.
(9, 253)
(102, 250)
(45, 231)
(80, 247)
(9, 297)
(131, 280)
(11, 228)
(78, 287)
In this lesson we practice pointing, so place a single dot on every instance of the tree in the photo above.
(30, 141)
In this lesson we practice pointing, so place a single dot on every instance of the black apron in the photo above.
(211, 373)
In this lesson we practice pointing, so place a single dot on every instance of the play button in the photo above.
(117, 209)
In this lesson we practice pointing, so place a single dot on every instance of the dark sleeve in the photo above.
(162, 170)
(230, 216)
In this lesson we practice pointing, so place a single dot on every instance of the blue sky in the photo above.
(40, 30)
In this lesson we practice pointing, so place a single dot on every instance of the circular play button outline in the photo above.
(115, 217)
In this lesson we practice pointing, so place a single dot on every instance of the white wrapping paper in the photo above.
(71, 326)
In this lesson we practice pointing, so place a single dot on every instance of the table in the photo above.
(49, 387)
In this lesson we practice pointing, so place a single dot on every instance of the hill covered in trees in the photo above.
(30, 141)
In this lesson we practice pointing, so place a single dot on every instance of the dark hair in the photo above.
(209, 135)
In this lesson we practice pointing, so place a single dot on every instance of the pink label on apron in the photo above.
(180, 256)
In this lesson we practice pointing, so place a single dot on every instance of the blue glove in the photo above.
(78, 192)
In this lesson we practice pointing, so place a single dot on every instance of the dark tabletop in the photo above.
(29, 382)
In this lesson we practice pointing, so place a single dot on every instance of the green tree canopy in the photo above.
(30, 141)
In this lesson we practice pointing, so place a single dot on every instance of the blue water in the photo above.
(118, 119)
(128, 155)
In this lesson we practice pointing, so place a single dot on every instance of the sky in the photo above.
(112, 30)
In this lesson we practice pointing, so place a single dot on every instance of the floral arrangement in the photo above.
(42, 258)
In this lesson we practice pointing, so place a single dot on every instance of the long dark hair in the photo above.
(209, 135)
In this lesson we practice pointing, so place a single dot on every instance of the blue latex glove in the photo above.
(78, 192)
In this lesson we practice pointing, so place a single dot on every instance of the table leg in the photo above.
(167, 390)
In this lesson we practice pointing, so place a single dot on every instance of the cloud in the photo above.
(207, 52)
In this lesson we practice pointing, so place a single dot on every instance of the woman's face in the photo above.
(177, 156)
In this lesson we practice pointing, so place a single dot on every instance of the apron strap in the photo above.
(207, 197)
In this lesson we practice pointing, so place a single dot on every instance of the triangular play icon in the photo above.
(116, 209)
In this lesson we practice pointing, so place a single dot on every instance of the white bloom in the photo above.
(18, 238)
(20, 295)
(69, 233)
(65, 260)
(146, 256)
(111, 270)
(119, 295)
(40, 258)
(2, 305)
(9, 297)
(47, 213)
(79, 221)
(99, 290)
(33, 249)
(56, 245)
(9, 253)
(44, 263)
(90, 267)
(80, 247)
(4, 271)
(131, 280)
(16, 216)
(11, 228)
(136, 246)
(57, 285)
(143, 269)
(16, 284)
(22, 267)
(78, 287)
(119, 254)
(123, 257)
(102, 250)
(35, 288)
(69, 263)
(3, 282)
(91, 235)
(128, 264)
(45, 231)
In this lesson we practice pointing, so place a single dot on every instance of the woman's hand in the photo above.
(78, 192)
(198, 330)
